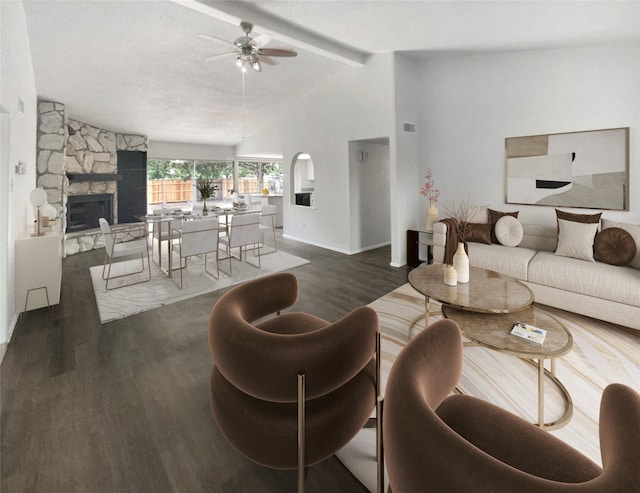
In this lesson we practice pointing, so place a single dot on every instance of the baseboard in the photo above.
(334, 249)
(3, 346)
(372, 247)
(317, 244)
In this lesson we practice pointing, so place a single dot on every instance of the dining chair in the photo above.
(268, 223)
(197, 209)
(251, 205)
(223, 220)
(160, 231)
(244, 231)
(198, 237)
(123, 241)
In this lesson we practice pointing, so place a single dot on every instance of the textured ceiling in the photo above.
(139, 66)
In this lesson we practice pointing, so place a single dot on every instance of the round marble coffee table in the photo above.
(493, 331)
(486, 292)
(485, 309)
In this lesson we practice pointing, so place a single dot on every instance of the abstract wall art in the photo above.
(587, 169)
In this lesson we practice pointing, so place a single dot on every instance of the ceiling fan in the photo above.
(250, 52)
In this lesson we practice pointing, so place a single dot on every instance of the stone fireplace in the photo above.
(78, 168)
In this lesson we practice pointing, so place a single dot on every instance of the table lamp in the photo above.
(38, 198)
(49, 214)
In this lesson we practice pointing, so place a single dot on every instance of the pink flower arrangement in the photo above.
(429, 189)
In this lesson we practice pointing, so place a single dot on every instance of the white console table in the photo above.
(38, 270)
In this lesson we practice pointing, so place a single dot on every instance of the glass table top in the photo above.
(486, 292)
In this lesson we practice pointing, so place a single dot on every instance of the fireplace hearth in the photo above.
(83, 211)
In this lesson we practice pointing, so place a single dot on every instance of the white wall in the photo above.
(17, 83)
(405, 189)
(351, 104)
(463, 107)
(470, 104)
(179, 150)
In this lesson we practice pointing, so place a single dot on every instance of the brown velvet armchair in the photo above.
(289, 378)
(439, 442)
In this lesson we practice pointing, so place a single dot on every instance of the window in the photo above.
(171, 182)
(221, 172)
(255, 177)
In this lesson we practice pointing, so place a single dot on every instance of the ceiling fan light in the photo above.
(256, 65)
(241, 63)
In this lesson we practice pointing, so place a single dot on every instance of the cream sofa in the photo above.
(596, 289)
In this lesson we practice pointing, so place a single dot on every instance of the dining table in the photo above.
(157, 219)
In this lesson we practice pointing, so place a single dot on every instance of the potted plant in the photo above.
(430, 191)
(207, 190)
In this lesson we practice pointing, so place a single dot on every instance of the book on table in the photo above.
(529, 332)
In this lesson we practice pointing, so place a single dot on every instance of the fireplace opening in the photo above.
(83, 211)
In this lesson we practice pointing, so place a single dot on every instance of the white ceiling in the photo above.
(139, 66)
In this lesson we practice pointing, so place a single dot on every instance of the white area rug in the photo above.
(603, 353)
(160, 290)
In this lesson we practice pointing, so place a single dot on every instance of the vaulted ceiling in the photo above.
(141, 66)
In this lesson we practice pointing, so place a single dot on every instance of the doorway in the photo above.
(369, 190)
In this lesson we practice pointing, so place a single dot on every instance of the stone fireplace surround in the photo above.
(84, 211)
(69, 148)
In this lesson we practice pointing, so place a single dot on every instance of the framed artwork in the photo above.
(587, 169)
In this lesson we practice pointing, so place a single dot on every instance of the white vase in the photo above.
(450, 276)
(432, 216)
(461, 263)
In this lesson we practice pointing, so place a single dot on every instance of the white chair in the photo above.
(116, 246)
(160, 231)
(244, 231)
(198, 237)
(254, 203)
(268, 223)
(223, 220)
(197, 209)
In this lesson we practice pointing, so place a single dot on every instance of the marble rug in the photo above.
(603, 353)
(160, 290)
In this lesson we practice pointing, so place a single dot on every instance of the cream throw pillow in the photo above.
(509, 231)
(477, 214)
(576, 239)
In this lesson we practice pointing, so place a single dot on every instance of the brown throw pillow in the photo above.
(578, 218)
(477, 232)
(615, 246)
(494, 216)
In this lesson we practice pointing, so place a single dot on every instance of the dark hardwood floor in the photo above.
(124, 407)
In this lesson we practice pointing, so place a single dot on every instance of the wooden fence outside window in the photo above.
(169, 191)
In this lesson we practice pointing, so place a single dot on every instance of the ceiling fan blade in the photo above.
(213, 38)
(218, 55)
(276, 52)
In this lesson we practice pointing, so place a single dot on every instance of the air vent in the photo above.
(409, 128)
